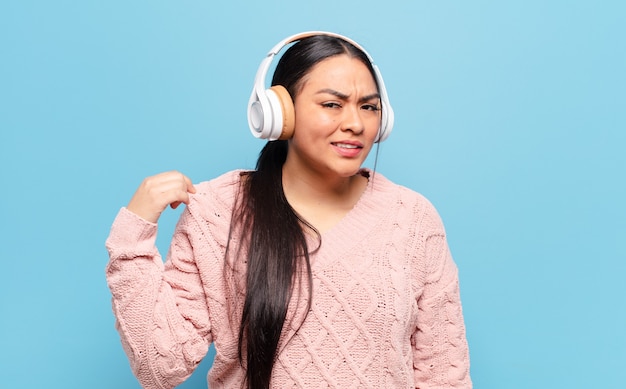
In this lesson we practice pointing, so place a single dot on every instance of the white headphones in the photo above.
(271, 113)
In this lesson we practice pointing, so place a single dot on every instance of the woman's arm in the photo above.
(160, 309)
(440, 350)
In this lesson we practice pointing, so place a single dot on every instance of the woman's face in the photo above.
(337, 118)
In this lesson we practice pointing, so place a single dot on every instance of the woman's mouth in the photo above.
(347, 149)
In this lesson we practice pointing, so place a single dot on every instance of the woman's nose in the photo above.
(352, 120)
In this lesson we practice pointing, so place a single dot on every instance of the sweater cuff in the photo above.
(131, 236)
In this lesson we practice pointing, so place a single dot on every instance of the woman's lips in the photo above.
(348, 149)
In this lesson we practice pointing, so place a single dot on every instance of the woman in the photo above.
(309, 271)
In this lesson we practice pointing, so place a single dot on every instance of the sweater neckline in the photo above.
(359, 222)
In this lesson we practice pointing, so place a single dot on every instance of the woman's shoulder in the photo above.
(216, 194)
(409, 201)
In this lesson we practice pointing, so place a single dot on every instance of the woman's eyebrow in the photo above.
(344, 96)
(373, 96)
(333, 92)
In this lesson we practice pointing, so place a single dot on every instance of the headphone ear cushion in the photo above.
(288, 112)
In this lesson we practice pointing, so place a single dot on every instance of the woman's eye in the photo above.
(370, 107)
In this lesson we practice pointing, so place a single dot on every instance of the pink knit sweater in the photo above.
(385, 312)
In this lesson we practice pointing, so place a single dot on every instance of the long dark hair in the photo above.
(277, 253)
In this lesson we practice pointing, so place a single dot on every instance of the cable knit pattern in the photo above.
(385, 313)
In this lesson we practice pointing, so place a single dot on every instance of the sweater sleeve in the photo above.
(440, 350)
(160, 309)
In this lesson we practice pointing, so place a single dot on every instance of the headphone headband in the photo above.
(270, 117)
(296, 37)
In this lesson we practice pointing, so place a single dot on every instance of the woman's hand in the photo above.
(157, 192)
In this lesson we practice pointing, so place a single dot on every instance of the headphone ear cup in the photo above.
(282, 108)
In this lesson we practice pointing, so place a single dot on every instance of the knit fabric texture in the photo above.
(385, 309)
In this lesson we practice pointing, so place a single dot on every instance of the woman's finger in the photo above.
(157, 192)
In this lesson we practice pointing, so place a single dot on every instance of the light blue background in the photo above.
(510, 118)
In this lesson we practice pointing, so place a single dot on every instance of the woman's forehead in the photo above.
(340, 70)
